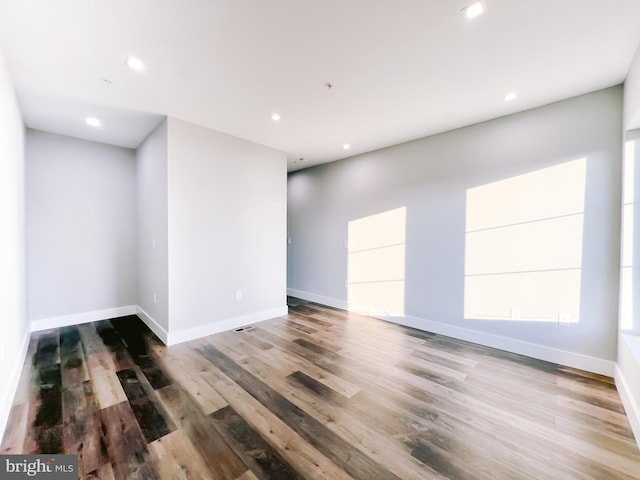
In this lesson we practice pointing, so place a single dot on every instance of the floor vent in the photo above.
(247, 328)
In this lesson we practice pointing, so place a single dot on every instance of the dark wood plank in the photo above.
(427, 374)
(124, 438)
(47, 352)
(319, 389)
(46, 427)
(49, 385)
(139, 341)
(150, 414)
(126, 445)
(443, 463)
(263, 460)
(314, 347)
(48, 440)
(112, 341)
(74, 370)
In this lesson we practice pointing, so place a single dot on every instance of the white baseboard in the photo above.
(312, 297)
(154, 326)
(541, 352)
(224, 325)
(169, 338)
(630, 403)
(13, 372)
(84, 317)
(534, 350)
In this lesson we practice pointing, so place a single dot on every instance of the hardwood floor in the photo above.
(318, 394)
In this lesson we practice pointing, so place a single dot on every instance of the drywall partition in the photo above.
(14, 330)
(632, 94)
(227, 231)
(153, 276)
(81, 230)
(425, 186)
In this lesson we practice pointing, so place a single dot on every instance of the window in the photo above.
(376, 263)
(523, 246)
(628, 322)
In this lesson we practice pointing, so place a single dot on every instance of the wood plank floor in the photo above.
(318, 394)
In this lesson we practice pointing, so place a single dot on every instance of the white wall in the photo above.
(151, 159)
(430, 178)
(628, 368)
(632, 94)
(227, 229)
(81, 226)
(14, 329)
(628, 379)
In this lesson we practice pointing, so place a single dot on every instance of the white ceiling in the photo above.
(401, 69)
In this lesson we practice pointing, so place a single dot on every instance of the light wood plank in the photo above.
(178, 459)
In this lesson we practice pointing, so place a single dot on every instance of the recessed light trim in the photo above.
(474, 9)
(346, 146)
(93, 121)
(275, 117)
(134, 63)
(510, 96)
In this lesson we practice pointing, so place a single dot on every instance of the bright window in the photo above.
(376, 263)
(627, 322)
(523, 246)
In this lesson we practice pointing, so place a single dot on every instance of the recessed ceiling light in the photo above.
(134, 63)
(474, 9)
(510, 96)
(346, 146)
(93, 121)
(275, 117)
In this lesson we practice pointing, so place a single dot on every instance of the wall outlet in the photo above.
(153, 242)
(238, 294)
(155, 297)
(515, 313)
(289, 241)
